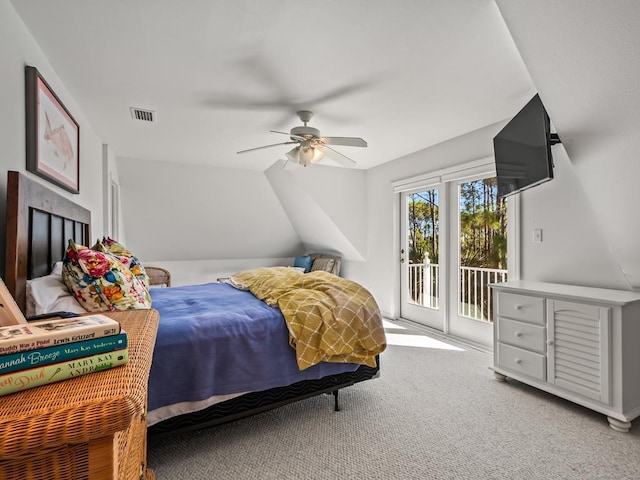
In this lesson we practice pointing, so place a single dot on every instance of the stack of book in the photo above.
(47, 351)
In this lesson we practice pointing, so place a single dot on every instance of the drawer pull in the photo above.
(549, 342)
(518, 307)
(518, 361)
(518, 334)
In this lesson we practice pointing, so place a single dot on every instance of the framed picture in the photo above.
(53, 135)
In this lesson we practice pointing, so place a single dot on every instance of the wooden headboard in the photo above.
(40, 223)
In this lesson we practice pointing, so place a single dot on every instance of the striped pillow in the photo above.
(324, 264)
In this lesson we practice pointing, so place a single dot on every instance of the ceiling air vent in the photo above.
(142, 114)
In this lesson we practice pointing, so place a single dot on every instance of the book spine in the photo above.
(38, 338)
(35, 377)
(14, 362)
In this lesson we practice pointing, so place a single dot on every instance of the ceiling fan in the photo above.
(311, 147)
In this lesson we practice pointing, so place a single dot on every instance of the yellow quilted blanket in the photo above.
(330, 319)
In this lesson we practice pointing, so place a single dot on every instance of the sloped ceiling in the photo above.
(583, 60)
(219, 75)
(328, 223)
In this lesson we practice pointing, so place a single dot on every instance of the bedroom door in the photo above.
(420, 252)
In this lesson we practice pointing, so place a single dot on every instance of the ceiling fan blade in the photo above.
(279, 95)
(338, 157)
(346, 141)
(266, 146)
(232, 102)
(339, 92)
(297, 137)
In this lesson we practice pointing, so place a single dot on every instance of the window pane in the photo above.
(483, 246)
(423, 238)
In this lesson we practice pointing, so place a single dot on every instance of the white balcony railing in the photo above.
(475, 298)
(424, 286)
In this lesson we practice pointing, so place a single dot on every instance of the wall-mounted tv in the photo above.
(522, 150)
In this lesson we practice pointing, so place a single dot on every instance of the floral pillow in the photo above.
(101, 281)
(109, 245)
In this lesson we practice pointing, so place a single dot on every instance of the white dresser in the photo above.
(580, 343)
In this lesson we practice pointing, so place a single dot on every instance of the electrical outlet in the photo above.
(537, 235)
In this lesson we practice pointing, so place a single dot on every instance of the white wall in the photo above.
(203, 223)
(184, 213)
(326, 205)
(573, 248)
(17, 49)
(192, 272)
(583, 58)
(341, 193)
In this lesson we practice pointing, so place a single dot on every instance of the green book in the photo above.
(13, 362)
(35, 377)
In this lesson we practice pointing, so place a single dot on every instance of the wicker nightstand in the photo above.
(91, 427)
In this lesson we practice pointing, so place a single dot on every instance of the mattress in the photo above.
(216, 342)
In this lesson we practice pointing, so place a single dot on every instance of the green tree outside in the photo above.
(482, 230)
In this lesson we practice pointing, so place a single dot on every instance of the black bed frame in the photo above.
(257, 402)
(39, 225)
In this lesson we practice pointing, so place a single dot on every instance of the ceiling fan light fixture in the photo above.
(311, 146)
(295, 155)
(292, 154)
(306, 154)
(317, 155)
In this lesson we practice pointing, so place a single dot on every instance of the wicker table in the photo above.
(91, 427)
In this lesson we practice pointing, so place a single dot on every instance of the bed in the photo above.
(39, 224)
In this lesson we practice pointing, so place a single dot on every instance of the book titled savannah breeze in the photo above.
(35, 377)
(13, 362)
(46, 333)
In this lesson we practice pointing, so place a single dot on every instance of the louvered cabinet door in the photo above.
(578, 348)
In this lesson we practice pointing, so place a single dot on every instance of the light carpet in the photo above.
(436, 412)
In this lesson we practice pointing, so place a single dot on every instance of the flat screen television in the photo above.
(522, 150)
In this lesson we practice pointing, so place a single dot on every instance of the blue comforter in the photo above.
(215, 340)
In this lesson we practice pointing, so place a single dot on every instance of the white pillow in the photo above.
(49, 294)
(300, 269)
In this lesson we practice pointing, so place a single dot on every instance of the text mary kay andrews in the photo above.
(76, 368)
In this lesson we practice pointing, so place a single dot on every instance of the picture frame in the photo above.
(52, 135)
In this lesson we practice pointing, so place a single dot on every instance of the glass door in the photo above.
(479, 257)
(455, 231)
(420, 250)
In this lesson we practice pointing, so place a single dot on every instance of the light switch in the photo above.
(537, 235)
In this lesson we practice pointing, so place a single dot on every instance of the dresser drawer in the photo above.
(522, 335)
(521, 307)
(522, 361)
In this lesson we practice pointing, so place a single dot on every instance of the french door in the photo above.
(421, 250)
(479, 234)
(454, 243)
